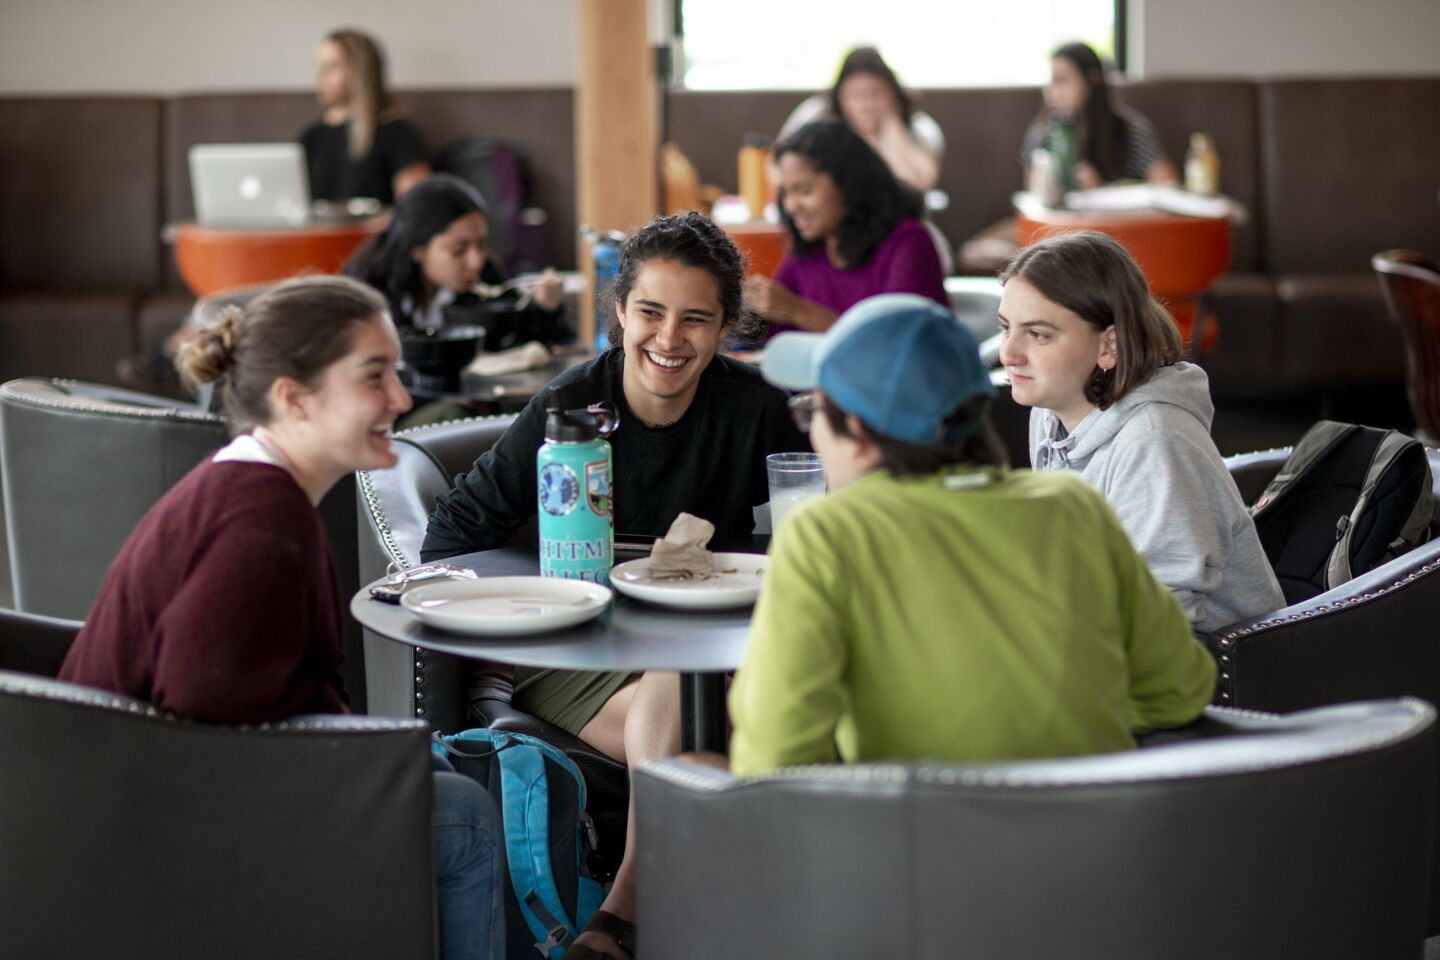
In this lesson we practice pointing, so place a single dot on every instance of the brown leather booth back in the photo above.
(1225, 109)
(81, 193)
(983, 130)
(1350, 168)
(541, 121)
(709, 126)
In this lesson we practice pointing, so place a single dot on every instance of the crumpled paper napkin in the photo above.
(681, 553)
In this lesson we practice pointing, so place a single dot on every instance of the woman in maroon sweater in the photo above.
(222, 607)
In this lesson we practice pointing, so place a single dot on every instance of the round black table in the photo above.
(631, 636)
(504, 392)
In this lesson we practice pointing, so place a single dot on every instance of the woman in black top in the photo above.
(359, 148)
(694, 431)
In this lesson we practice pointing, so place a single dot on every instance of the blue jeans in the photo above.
(469, 868)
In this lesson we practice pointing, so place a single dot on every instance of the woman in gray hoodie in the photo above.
(1088, 347)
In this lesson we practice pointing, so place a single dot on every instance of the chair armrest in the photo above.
(31, 643)
(1252, 472)
(1371, 637)
(692, 776)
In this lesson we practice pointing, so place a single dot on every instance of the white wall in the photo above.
(1274, 38)
(169, 46)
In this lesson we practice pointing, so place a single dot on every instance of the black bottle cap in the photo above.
(569, 426)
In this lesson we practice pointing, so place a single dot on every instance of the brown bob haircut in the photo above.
(1092, 276)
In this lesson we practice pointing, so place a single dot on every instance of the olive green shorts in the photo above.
(567, 698)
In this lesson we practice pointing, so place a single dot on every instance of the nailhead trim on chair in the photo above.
(117, 409)
(1256, 453)
(83, 696)
(424, 427)
(710, 781)
(367, 487)
(382, 525)
(87, 697)
(348, 722)
(1227, 640)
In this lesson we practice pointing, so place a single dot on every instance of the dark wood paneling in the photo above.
(79, 193)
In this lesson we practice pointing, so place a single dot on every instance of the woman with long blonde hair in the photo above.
(359, 147)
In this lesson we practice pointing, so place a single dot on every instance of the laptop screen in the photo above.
(249, 184)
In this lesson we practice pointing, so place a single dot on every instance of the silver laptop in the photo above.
(249, 184)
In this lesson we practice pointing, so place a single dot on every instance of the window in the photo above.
(764, 44)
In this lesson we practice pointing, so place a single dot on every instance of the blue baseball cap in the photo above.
(900, 362)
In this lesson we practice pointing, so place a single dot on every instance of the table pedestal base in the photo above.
(702, 712)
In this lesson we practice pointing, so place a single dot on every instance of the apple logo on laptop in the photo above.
(250, 187)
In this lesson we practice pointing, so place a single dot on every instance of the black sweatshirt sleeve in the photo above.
(495, 498)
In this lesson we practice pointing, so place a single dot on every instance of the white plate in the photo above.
(506, 606)
(738, 586)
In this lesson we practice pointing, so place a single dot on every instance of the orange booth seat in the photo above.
(1181, 256)
(212, 260)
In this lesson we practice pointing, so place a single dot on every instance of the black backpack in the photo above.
(1347, 499)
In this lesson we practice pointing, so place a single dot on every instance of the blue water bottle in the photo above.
(573, 471)
(605, 248)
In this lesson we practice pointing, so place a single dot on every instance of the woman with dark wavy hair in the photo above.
(854, 230)
(434, 253)
(1113, 142)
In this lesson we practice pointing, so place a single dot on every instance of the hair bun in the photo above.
(209, 351)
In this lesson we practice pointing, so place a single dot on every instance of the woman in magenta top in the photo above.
(854, 232)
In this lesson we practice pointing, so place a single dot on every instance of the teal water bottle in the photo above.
(573, 469)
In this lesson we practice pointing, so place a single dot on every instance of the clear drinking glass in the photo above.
(793, 477)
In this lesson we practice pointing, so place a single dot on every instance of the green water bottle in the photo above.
(1060, 138)
(576, 515)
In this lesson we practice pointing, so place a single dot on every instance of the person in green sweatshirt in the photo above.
(936, 604)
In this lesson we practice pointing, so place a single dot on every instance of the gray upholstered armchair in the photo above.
(403, 681)
(394, 506)
(1371, 637)
(129, 834)
(82, 463)
(1253, 837)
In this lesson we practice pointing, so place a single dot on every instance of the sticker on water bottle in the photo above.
(597, 487)
(559, 489)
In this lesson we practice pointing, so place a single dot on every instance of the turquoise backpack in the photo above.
(549, 838)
